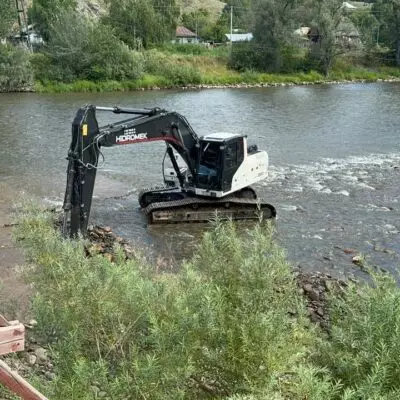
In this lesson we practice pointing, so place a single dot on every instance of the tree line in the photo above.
(113, 45)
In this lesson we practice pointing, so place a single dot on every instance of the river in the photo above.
(334, 164)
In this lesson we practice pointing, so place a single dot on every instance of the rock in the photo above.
(95, 389)
(358, 260)
(314, 317)
(307, 288)
(33, 323)
(314, 295)
(107, 229)
(50, 375)
(350, 251)
(109, 257)
(31, 358)
(320, 311)
(101, 395)
(41, 354)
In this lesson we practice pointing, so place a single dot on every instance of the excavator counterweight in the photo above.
(215, 177)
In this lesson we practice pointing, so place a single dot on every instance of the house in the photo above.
(35, 39)
(346, 34)
(239, 37)
(185, 35)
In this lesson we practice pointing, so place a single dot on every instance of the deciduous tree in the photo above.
(326, 17)
(387, 13)
(44, 12)
(274, 22)
(8, 16)
(143, 22)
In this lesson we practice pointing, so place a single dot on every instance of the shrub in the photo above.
(80, 49)
(158, 63)
(222, 325)
(364, 345)
(15, 69)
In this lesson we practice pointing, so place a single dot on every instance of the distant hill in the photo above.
(214, 6)
(94, 8)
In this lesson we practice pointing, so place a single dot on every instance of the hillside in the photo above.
(94, 8)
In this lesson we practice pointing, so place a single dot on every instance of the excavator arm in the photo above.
(146, 125)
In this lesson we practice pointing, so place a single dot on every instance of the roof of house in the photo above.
(181, 31)
(239, 37)
(348, 5)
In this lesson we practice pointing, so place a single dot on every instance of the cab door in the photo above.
(233, 156)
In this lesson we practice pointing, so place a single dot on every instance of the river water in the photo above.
(334, 164)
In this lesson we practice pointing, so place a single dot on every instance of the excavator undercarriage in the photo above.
(174, 206)
(214, 180)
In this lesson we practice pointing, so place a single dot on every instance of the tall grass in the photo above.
(230, 324)
(222, 325)
(170, 68)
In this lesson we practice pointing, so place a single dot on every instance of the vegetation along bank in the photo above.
(70, 45)
(108, 324)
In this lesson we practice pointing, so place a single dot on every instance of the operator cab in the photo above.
(219, 157)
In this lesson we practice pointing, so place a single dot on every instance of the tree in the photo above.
(143, 22)
(274, 22)
(387, 12)
(83, 49)
(198, 21)
(44, 12)
(326, 17)
(367, 25)
(8, 17)
(241, 13)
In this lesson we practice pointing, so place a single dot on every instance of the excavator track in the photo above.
(159, 194)
(194, 209)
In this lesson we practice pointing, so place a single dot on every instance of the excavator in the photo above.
(210, 175)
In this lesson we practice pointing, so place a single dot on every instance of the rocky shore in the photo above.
(31, 88)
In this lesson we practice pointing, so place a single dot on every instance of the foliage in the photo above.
(241, 11)
(364, 345)
(199, 21)
(222, 325)
(143, 23)
(79, 49)
(229, 324)
(8, 17)
(326, 19)
(367, 25)
(177, 73)
(273, 24)
(387, 12)
(249, 55)
(15, 69)
(44, 12)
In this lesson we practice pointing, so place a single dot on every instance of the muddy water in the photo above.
(334, 155)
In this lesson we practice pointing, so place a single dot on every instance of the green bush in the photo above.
(364, 345)
(243, 57)
(160, 64)
(15, 69)
(188, 49)
(229, 324)
(222, 324)
(79, 49)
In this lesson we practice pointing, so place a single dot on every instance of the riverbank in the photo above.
(14, 291)
(231, 80)
(108, 322)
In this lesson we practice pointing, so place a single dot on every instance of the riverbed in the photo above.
(334, 165)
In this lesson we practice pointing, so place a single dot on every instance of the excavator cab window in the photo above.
(209, 170)
(233, 157)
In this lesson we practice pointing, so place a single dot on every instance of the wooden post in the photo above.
(12, 339)
(18, 385)
(12, 336)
